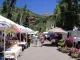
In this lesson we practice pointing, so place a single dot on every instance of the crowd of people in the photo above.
(54, 38)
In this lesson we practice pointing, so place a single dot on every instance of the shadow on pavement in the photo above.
(49, 45)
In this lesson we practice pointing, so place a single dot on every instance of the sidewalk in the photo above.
(43, 53)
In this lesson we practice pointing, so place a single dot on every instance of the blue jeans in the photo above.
(36, 41)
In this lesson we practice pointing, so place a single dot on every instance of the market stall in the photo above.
(57, 34)
(8, 37)
(59, 30)
(3, 28)
(12, 37)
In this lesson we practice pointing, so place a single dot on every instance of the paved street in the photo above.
(43, 53)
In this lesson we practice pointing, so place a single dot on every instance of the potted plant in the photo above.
(72, 50)
(64, 49)
(75, 54)
(61, 44)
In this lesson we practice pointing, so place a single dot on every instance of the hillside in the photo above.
(39, 24)
(19, 10)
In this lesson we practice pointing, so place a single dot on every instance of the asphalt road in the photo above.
(46, 52)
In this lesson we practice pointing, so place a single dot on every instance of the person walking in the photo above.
(28, 41)
(41, 39)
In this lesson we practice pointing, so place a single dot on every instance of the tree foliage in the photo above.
(10, 11)
(8, 8)
(67, 14)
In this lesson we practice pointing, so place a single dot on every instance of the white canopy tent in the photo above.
(4, 25)
(58, 30)
(21, 28)
(6, 20)
(30, 31)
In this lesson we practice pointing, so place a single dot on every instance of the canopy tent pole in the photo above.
(4, 42)
(4, 35)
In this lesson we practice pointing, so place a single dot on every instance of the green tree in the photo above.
(66, 14)
(26, 17)
(18, 18)
(8, 8)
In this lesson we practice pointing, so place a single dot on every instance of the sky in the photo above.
(37, 6)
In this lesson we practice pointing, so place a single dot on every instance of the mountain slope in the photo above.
(39, 24)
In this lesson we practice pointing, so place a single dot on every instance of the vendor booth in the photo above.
(11, 47)
(59, 30)
(57, 34)
(3, 28)
(13, 38)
